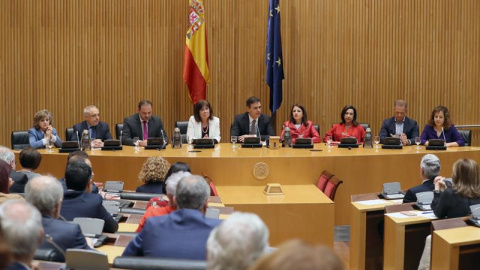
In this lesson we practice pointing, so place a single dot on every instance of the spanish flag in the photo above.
(195, 71)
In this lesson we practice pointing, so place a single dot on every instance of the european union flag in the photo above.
(273, 57)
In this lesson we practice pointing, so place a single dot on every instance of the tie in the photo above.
(145, 130)
(252, 127)
(93, 134)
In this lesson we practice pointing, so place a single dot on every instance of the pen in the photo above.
(428, 212)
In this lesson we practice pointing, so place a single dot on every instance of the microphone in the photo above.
(78, 138)
(259, 135)
(444, 139)
(49, 239)
(121, 139)
(163, 137)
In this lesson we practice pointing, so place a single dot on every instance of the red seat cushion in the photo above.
(322, 182)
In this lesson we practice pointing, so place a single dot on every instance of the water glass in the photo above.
(376, 140)
(233, 139)
(136, 142)
(417, 142)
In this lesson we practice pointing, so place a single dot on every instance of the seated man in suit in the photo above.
(400, 125)
(46, 194)
(22, 232)
(143, 125)
(81, 156)
(19, 179)
(99, 131)
(183, 233)
(79, 202)
(430, 168)
(253, 122)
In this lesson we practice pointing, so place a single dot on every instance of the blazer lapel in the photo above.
(393, 128)
(246, 123)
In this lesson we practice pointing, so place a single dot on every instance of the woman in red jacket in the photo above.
(299, 126)
(349, 126)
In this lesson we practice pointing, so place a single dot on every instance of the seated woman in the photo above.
(202, 123)
(349, 126)
(440, 126)
(300, 126)
(30, 160)
(42, 131)
(6, 182)
(153, 174)
(455, 201)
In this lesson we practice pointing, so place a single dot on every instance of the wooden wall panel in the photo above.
(64, 55)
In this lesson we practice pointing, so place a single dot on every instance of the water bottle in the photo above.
(177, 138)
(86, 140)
(287, 137)
(368, 141)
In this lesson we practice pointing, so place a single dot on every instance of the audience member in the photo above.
(400, 125)
(202, 124)
(349, 127)
(440, 126)
(5, 183)
(143, 125)
(46, 194)
(5, 254)
(22, 231)
(237, 243)
(183, 233)
(429, 169)
(300, 126)
(298, 255)
(19, 179)
(42, 131)
(157, 210)
(99, 131)
(153, 174)
(79, 202)
(30, 159)
(253, 122)
(81, 156)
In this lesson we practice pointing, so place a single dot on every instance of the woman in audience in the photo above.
(440, 126)
(202, 123)
(42, 131)
(299, 255)
(349, 126)
(30, 160)
(6, 182)
(153, 174)
(300, 126)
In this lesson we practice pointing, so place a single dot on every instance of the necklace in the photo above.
(205, 129)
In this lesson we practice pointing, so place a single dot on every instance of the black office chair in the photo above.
(19, 140)
(143, 263)
(118, 130)
(183, 126)
(365, 125)
(68, 134)
(467, 136)
(48, 254)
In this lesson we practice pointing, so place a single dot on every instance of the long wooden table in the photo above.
(362, 170)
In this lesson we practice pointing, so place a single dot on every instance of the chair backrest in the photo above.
(68, 134)
(317, 127)
(399, 207)
(213, 189)
(143, 263)
(183, 126)
(118, 130)
(467, 136)
(48, 254)
(332, 186)
(323, 179)
(365, 125)
(19, 140)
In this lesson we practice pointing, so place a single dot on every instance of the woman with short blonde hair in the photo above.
(153, 174)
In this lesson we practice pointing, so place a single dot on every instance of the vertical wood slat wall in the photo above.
(64, 55)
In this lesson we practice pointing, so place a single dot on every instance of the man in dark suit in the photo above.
(46, 193)
(143, 125)
(99, 131)
(430, 168)
(183, 233)
(22, 232)
(253, 122)
(19, 179)
(79, 202)
(400, 125)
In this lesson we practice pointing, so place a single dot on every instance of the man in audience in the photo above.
(99, 131)
(430, 168)
(143, 125)
(22, 231)
(154, 211)
(79, 202)
(80, 156)
(19, 179)
(46, 194)
(237, 243)
(400, 125)
(253, 122)
(183, 233)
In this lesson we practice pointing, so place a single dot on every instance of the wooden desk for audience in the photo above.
(303, 212)
(404, 241)
(366, 245)
(457, 248)
(362, 170)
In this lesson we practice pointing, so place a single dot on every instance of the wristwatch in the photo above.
(437, 191)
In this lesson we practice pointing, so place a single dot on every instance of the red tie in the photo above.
(145, 130)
